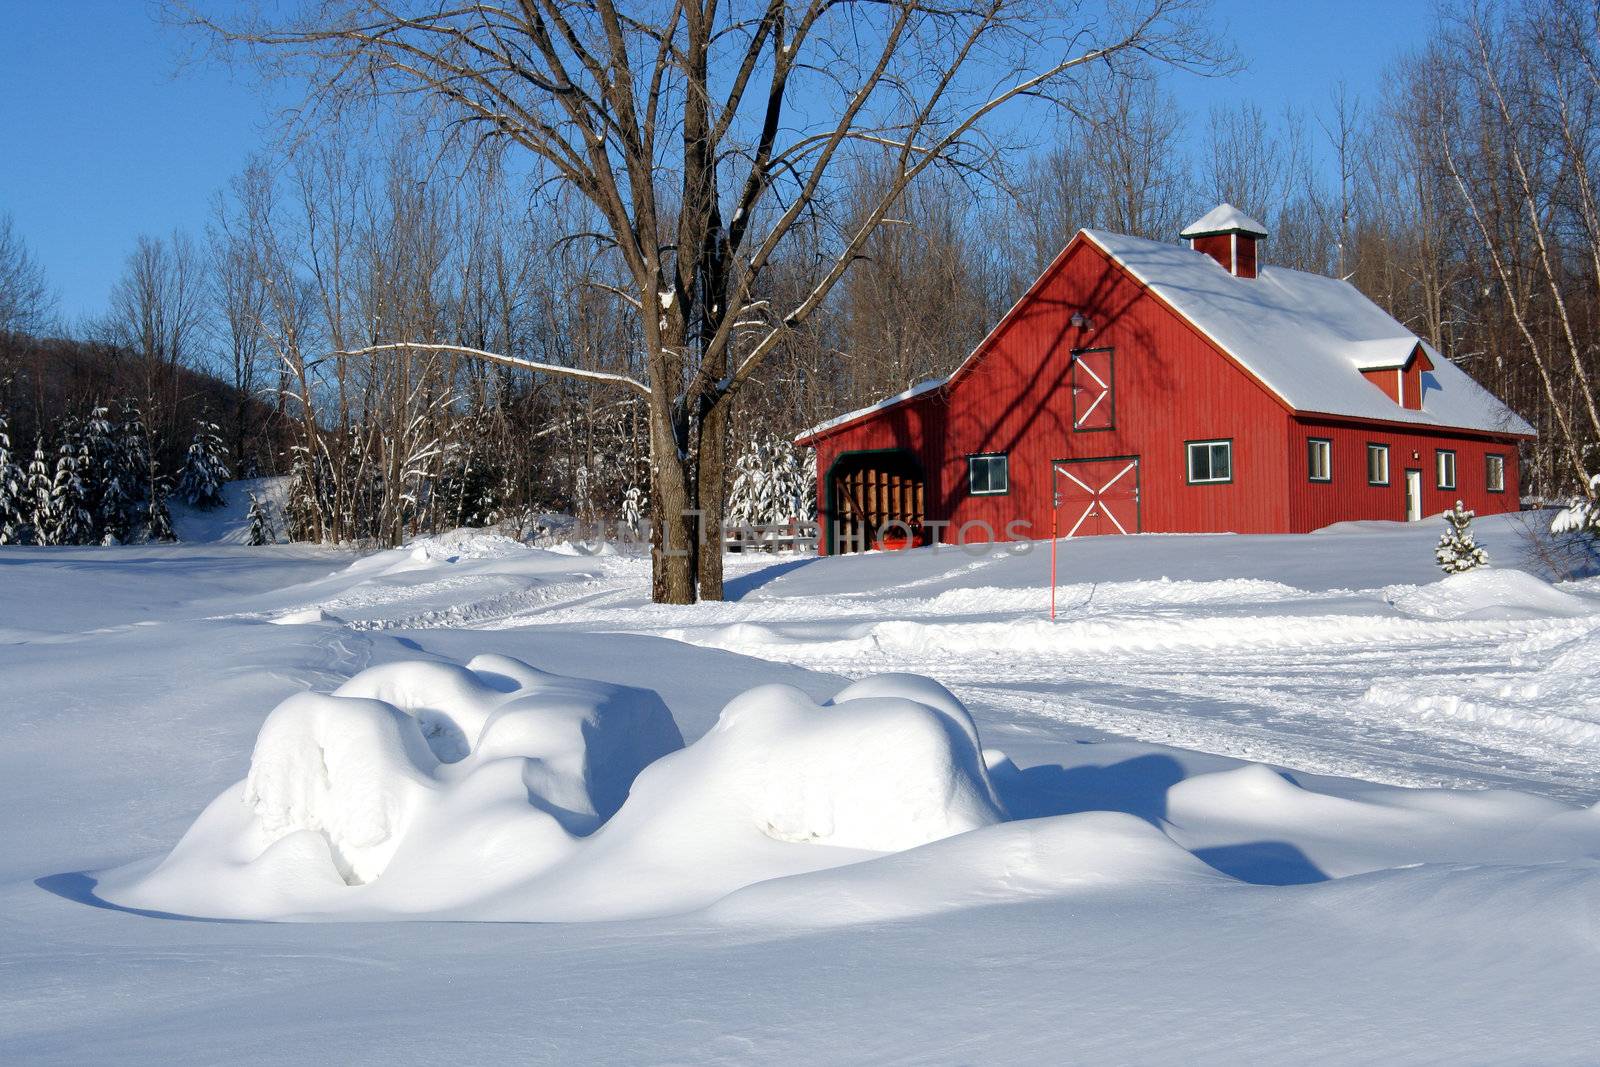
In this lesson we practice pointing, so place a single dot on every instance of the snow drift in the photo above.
(413, 786)
(497, 790)
(1486, 593)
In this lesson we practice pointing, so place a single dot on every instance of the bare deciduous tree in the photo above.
(26, 302)
(702, 137)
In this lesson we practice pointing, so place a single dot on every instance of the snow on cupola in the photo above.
(1228, 236)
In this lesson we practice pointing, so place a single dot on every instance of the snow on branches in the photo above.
(1458, 551)
(205, 469)
(1582, 516)
(774, 483)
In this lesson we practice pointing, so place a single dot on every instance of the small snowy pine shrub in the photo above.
(160, 519)
(205, 469)
(1458, 551)
(262, 529)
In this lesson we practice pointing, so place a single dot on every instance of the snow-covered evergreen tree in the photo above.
(97, 467)
(205, 469)
(36, 498)
(302, 513)
(773, 483)
(122, 503)
(13, 518)
(159, 518)
(262, 529)
(635, 504)
(71, 522)
(1458, 551)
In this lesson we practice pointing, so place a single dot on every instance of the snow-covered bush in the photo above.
(1458, 551)
(205, 469)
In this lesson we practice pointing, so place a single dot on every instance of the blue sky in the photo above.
(109, 133)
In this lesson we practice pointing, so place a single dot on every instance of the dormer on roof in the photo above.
(1228, 236)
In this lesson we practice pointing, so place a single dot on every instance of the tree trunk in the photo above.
(712, 489)
(675, 546)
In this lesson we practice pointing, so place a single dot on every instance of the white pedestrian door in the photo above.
(1413, 496)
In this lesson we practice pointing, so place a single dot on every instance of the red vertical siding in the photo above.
(1219, 246)
(1348, 496)
(1247, 256)
(1385, 378)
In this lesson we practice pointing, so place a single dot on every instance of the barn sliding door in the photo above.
(1096, 496)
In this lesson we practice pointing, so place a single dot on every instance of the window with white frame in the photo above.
(1445, 468)
(1319, 459)
(1210, 462)
(1494, 466)
(1377, 464)
(988, 475)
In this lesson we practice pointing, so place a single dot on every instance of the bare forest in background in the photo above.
(1463, 202)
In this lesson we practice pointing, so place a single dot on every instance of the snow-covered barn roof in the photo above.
(1306, 337)
(1224, 218)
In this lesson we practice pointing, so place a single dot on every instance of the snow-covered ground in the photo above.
(1245, 797)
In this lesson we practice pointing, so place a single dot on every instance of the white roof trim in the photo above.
(887, 402)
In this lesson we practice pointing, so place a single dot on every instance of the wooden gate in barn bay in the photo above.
(869, 491)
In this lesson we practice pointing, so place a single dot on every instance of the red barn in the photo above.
(1140, 386)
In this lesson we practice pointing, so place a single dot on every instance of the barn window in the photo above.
(988, 475)
(1377, 464)
(1094, 401)
(1319, 459)
(1494, 466)
(1445, 465)
(1210, 462)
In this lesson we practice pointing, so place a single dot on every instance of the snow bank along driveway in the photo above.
(1174, 824)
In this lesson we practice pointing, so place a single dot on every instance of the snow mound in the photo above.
(890, 763)
(1485, 593)
(454, 546)
(1026, 860)
(415, 785)
(496, 790)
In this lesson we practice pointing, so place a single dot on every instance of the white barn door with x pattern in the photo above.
(1096, 496)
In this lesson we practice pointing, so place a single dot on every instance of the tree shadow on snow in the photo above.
(738, 588)
(78, 887)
